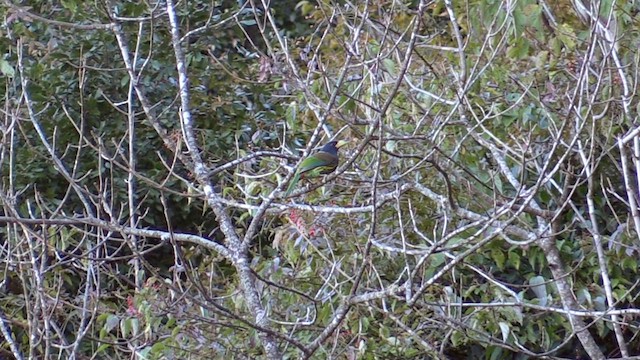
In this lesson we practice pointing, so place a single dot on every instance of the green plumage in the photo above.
(324, 161)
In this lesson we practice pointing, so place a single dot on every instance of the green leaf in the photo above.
(539, 288)
(505, 330)
(390, 145)
(497, 181)
(394, 341)
(364, 321)
(556, 47)
(497, 255)
(130, 326)
(390, 66)
(566, 35)
(583, 296)
(514, 259)
(125, 327)
(291, 115)
(6, 68)
(496, 353)
(520, 49)
(102, 348)
(111, 323)
(144, 353)
(158, 348)
(70, 5)
(600, 303)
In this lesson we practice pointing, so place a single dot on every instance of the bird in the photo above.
(323, 162)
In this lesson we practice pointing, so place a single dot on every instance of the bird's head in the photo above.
(334, 145)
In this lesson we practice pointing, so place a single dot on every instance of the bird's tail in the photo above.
(292, 184)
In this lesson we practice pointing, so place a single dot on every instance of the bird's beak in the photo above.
(342, 143)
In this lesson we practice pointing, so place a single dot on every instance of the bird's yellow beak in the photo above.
(342, 143)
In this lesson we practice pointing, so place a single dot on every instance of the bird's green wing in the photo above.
(316, 164)
(322, 161)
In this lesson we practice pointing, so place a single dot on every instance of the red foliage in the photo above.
(131, 307)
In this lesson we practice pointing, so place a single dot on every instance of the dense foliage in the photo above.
(486, 205)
